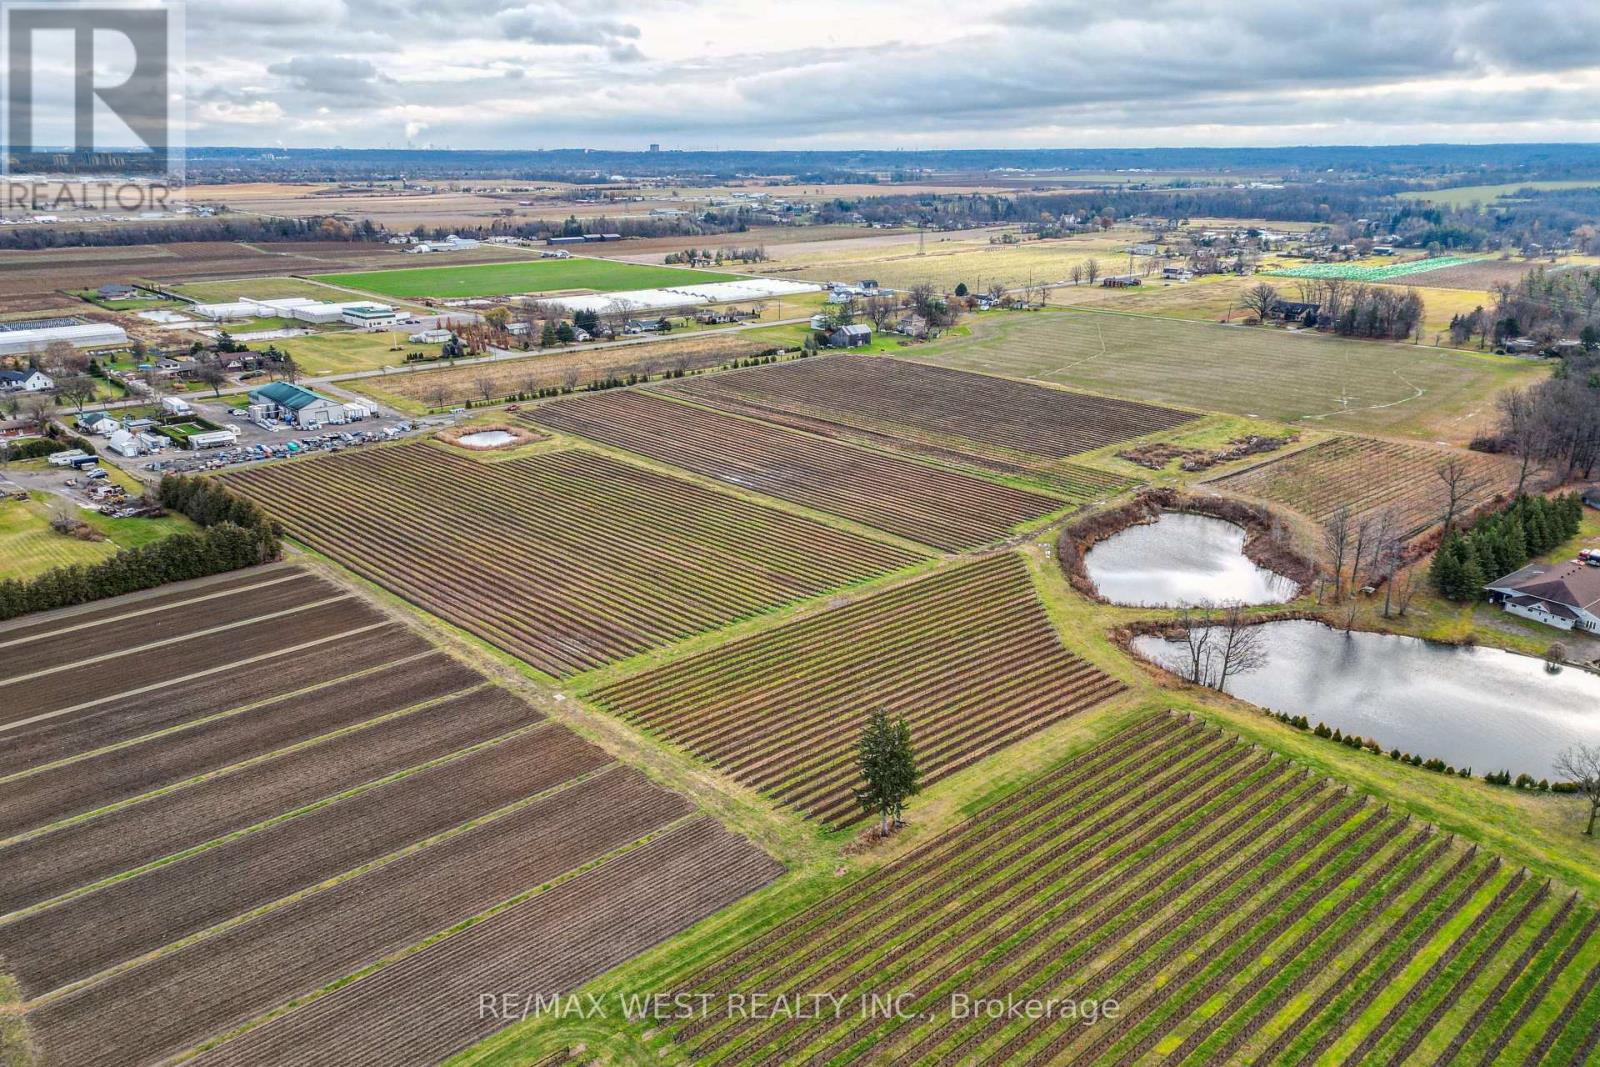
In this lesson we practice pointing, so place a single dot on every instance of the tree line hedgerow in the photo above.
(235, 533)
(1501, 542)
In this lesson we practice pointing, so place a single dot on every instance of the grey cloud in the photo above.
(343, 79)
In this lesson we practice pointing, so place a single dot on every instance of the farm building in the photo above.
(31, 380)
(1563, 595)
(1591, 496)
(117, 292)
(88, 335)
(852, 336)
(98, 422)
(1119, 281)
(298, 405)
(231, 311)
(371, 316)
(1176, 274)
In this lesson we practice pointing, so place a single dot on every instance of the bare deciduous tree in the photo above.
(1580, 765)
(1260, 298)
(1336, 539)
(1241, 646)
(1459, 483)
(1091, 270)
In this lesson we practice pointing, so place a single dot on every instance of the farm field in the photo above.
(521, 276)
(1310, 379)
(201, 840)
(566, 559)
(1463, 195)
(981, 419)
(1478, 275)
(947, 259)
(46, 278)
(1372, 271)
(28, 546)
(442, 387)
(1235, 907)
(1368, 476)
(967, 655)
(941, 508)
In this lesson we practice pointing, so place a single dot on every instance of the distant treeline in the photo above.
(229, 229)
(582, 164)
(235, 534)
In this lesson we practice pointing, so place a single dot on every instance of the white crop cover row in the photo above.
(684, 295)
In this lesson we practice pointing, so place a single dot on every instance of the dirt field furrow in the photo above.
(163, 707)
(425, 1007)
(91, 783)
(22, 699)
(162, 1007)
(83, 936)
(42, 867)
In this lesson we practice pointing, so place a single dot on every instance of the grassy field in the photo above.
(28, 546)
(1304, 379)
(530, 276)
(948, 259)
(1462, 195)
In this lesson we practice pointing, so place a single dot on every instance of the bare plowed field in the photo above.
(567, 559)
(929, 505)
(160, 1008)
(26, 695)
(209, 836)
(424, 1008)
(1369, 476)
(95, 781)
(129, 918)
(1235, 907)
(967, 656)
(38, 868)
(1480, 274)
(245, 677)
(916, 401)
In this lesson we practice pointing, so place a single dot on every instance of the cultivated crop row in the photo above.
(567, 559)
(967, 656)
(424, 1008)
(239, 831)
(1381, 273)
(917, 401)
(80, 853)
(933, 506)
(1236, 909)
(1367, 475)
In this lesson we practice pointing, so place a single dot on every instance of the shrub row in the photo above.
(54, 441)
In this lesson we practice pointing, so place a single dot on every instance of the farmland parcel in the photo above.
(263, 787)
(529, 276)
(1311, 378)
(568, 559)
(1234, 907)
(967, 656)
(1367, 476)
(942, 508)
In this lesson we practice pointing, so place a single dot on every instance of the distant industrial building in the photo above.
(297, 405)
(370, 316)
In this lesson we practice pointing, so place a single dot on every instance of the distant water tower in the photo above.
(655, 147)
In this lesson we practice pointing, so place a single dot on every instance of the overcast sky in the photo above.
(889, 73)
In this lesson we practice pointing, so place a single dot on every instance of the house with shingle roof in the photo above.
(1564, 595)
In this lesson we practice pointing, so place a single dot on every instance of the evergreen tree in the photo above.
(889, 766)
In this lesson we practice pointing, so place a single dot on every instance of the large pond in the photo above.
(1182, 559)
(1471, 707)
(485, 439)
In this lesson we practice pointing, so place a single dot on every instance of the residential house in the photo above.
(1563, 595)
(1295, 311)
(29, 380)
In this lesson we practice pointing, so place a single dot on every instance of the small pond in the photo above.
(1182, 559)
(485, 439)
(1471, 707)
